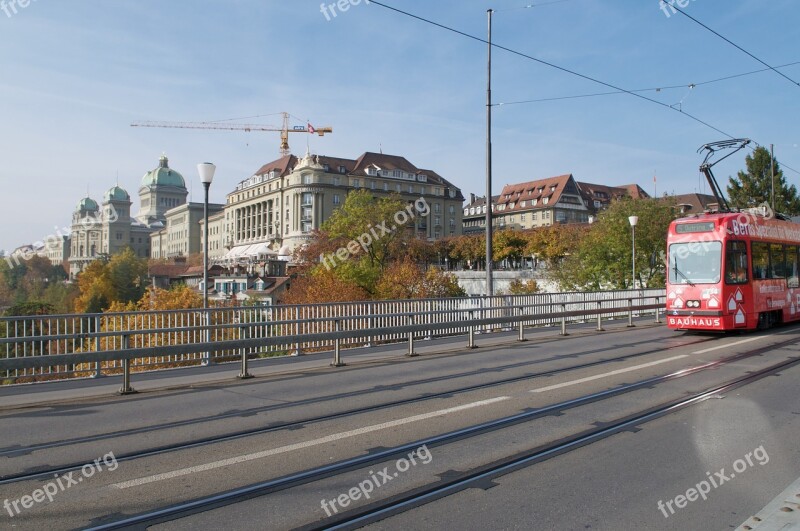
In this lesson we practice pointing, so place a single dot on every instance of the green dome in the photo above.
(116, 194)
(87, 204)
(163, 176)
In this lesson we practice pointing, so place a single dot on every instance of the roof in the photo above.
(116, 194)
(635, 191)
(163, 175)
(87, 204)
(358, 167)
(537, 194)
(168, 270)
(694, 203)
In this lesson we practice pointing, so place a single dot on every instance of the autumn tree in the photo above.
(123, 279)
(754, 186)
(406, 280)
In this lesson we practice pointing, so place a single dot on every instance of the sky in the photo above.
(74, 74)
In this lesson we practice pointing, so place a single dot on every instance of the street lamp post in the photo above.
(633, 220)
(206, 171)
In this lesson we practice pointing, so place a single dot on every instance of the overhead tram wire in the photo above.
(551, 65)
(651, 89)
(734, 44)
(561, 68)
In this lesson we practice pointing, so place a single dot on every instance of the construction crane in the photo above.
(284, 130)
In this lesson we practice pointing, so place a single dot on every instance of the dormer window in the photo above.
(342, 169)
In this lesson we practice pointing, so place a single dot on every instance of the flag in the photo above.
(311, 129)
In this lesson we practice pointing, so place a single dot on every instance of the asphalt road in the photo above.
(308, 416)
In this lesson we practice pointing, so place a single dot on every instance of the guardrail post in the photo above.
(337, 347)
(411, 352)
(658, 317)
(630, 313)
(599, 317)
(206, 358)
(471, 343)
(521, 336)
(563, 320)
(244, 375)
(126, 388)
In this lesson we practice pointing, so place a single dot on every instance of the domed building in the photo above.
(162, 189)
(108, 228)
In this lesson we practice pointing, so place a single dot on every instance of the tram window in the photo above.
(791, 267)
(777, 261)
(760, 260)
(736, 263)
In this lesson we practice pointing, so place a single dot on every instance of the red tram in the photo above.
(732, 271)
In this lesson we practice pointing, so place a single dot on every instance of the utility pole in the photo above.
(489, 287)
(772, 167)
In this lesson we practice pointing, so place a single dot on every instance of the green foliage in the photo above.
(753, 187)
(602, 259)
(121, 280)
(30, 308)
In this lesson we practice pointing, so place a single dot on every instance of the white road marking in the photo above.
(604, 375)
(304, 444)
(719, 347)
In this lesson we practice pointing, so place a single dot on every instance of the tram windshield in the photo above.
(695, 262)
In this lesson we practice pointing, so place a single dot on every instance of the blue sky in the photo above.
(74, 74)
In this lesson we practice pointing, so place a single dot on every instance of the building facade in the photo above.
(108, 229)
(545, 202)
(277, 208)
(182, 232)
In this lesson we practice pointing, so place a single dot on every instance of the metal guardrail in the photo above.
(54, 347)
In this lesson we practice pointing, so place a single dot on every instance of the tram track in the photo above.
(380, 510)
(160, 450)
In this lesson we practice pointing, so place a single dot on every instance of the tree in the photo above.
(602, 260)
(122, 280)
(406, 280)
(754, 187)
(518, 287)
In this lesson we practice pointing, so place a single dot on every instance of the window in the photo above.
(452, 209)
(777, 261)
(336, 181)
(336, 199)
(436, 207)
(736, 263)
(522, 217)
(385, 187)
(372, 185)
(397, 187)
(691, 263)
(760, 260)
(410, 188)
(356, 183)
(307, 198)
(791, 266)
(306, 178)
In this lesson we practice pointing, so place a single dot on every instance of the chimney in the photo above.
(471, 198)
